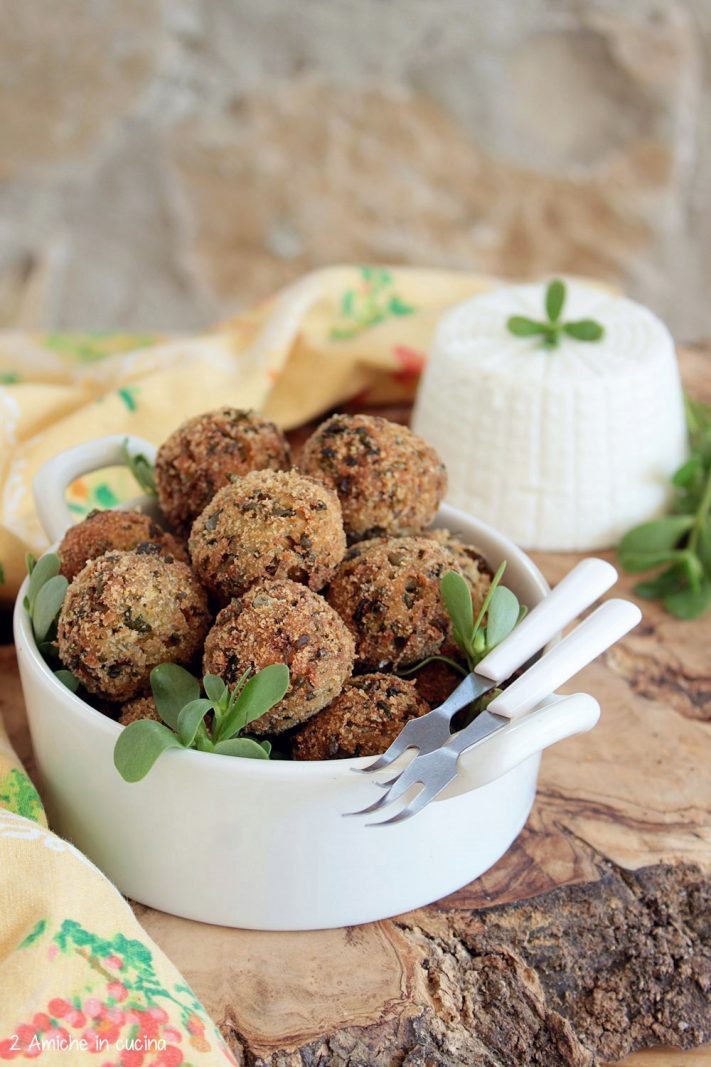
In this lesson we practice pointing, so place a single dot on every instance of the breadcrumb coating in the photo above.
(206, 452)
(126, 612)
(387, 592)
(362, 720)
(107, 531)
(281, 621)
(389, 481)
(436, 680)
(269, 524)
(472, 564)
(138, 708)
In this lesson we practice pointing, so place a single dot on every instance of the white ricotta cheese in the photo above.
(561, 448)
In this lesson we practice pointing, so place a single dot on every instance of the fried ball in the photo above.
(437, 680)
(138, 708)
(125, 613)
(387, 592)
(106, 531)
(269, 524)
(362, 721)
(389, 481)
(472, 564)
(282, 622)
(206, 452)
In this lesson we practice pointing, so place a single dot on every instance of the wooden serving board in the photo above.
(635, 792)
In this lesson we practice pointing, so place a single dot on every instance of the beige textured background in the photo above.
(163, 164)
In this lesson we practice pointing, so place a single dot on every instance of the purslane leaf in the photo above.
(669, 581)
(584, 330)
(703, 547)
(523, 327)
(551, 330)
(555, 298)
(636, 562)
(68, 679)
(189, 719)
(47, 603)
(485, 606)
(657, 535)
(682, 539)
(241, 746)
(693, 568)
(259, 695)
(44, 569)
(689, 603)
(214, 687)
(141, 468)
(173, 687)
(502, 616)
(688, 473)
(457, 599)
(139, 746)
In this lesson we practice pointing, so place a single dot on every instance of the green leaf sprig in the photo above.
(552, 328)
(499, 613)
(679, 543)
(141, 468)
(184, 714)
(43, 602)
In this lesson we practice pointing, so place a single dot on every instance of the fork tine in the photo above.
(382, 761)
(426, 794)
(379, 803)
(393, 752)
(397, 788)
(427, 732)
(387, 782)
(402, 783)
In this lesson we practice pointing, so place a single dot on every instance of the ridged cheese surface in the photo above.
(561, 448)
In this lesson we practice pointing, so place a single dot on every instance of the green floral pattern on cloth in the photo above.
(34, 934)
(91, 495)
(90, 347)
(18, 794)
(128, 395)
(122, 1012)
(368, 304)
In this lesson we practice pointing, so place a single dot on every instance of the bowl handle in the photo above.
(54, 477)
(553, 720)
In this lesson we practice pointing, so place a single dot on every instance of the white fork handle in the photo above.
(611, 621)
(573, 594)
(557, 718)
(56, 475)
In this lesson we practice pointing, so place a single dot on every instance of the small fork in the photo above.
(435, 770)
(574, 593)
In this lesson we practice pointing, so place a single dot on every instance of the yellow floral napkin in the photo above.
(334, 335)
(80, 981)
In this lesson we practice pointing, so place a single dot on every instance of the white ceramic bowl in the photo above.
(262, 845)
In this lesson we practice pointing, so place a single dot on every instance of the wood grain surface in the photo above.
(634, 793)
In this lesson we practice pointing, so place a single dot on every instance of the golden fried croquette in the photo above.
(388, 480)
(269, 524)
(206, 452)
(280, 621)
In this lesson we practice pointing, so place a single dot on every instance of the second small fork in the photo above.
(434, 771)
(574, 593)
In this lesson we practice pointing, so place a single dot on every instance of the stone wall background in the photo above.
(163, 164)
